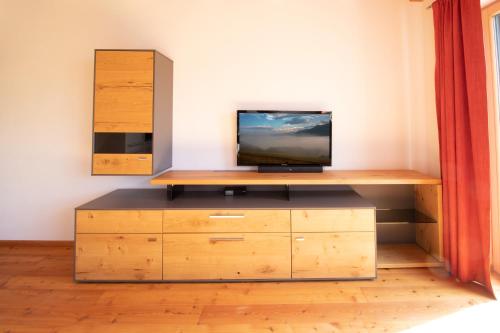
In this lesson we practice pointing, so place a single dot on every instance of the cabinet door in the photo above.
(122, 164)
(119, 221)
(123, 95)
(340, 255)
(333, 220)
(270, 220)
(118, 257)
(226, 256)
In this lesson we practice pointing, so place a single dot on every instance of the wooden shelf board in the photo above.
(335, 177)
(404, 256)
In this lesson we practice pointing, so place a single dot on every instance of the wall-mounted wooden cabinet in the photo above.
(132, 127)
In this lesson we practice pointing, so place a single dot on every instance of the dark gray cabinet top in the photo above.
(157, 199)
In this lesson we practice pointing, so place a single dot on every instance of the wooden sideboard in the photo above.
(137, 235)
(303, 233)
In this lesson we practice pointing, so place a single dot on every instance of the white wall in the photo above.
(424, 144)
(354, 57)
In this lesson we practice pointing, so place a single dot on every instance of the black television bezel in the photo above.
(280, 111)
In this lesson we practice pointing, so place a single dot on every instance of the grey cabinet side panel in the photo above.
(163, 113)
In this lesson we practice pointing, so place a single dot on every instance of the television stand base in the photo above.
(290, 168)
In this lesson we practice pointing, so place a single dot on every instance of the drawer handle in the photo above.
(226, 216)
(226, 239)
(300, 239)
(142, 158)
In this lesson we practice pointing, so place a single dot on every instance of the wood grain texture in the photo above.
(337, 177)
(118, 257)
(333, 220)
(404, 256)
(123, 97)
(119, 221)
(122, 164)
(333, 255)
(178, 221)
(42, 297)
(429, 236)
(226, 256)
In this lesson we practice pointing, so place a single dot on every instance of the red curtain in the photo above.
(463, 138)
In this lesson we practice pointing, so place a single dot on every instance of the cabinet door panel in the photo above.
(123, 100)
(226, 221)
(122, 164)
(118, 257)
(119, 221)
(226, 256)
(333, 220)
(339, 255)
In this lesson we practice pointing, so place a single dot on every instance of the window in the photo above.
(491, 28)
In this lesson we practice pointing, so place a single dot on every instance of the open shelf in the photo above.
(330, 177)
(406, 255)
(402, 216)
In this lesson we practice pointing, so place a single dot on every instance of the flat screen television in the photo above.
(284, 138)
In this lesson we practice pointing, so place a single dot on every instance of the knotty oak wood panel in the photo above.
(118, 257)
(428, 200)
(337, 177)
(121, 164)
(123, 96)
(176, 221)
(125, 109)
(333, 220)
(119, 221)
(333, 255)
(226, 256)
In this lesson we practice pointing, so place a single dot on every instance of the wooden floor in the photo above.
(37, 294)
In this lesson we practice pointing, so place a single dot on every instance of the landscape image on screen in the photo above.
(284, 138)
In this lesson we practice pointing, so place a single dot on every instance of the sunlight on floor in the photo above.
(495, 281)
(483, 317)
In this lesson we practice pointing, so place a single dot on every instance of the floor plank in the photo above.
(38, 294)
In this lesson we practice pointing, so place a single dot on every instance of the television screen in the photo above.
(284, 137)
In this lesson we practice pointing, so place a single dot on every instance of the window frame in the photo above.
(492, 73)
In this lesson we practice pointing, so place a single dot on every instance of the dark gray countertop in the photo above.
(157, 199)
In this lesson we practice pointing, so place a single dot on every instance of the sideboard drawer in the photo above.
(322, 220)
(226, 256)
(119, 221)
(118, 257)
(335, 255)
(226, 221)
(122, 164)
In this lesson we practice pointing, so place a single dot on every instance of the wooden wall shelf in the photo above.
(336, 177)
(132, 118)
